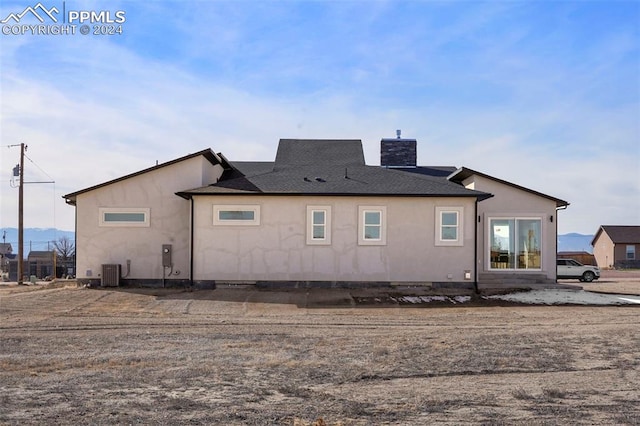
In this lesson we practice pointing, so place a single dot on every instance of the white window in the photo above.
(319, 225)
(124, 217)
(631, 252)
(515, 243)
(449, 226)
(236, 215)
(372, 225)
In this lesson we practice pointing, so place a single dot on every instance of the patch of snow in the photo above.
(533, 297)
(629, 300)
(428, 299)
(564, 297)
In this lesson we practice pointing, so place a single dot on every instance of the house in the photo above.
(40, 263)
(5, 248)
(6, 253)
(317, 216)
(617, 246)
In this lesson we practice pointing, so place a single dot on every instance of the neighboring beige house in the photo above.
(317, 216)
(617, 246)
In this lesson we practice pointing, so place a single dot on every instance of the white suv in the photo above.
(569, 268)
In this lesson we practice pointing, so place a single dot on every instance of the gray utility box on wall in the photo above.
(166, 255)
(110, 275)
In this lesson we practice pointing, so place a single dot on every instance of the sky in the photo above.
(544, 94)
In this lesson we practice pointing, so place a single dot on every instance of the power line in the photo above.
(39, 168)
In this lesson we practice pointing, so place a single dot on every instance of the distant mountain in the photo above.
(34, 238)
(575, 242)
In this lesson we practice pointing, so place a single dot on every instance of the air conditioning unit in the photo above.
(110, 275)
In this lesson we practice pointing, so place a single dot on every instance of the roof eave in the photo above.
(479, 195)
(207, 153)
(463, 173)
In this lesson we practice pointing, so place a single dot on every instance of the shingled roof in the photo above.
(311, 152)
(327, 167)
(620, 234)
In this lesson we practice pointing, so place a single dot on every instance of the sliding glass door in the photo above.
(515, 243)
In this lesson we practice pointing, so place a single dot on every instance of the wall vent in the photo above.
(110, 275)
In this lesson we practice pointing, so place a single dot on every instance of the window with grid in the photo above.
(372, 225)
(631, 252)
(449, 229)
(319, 225)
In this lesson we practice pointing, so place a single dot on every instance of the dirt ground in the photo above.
(95, 356)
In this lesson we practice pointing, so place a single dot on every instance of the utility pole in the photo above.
(19, 171)
(20, 217)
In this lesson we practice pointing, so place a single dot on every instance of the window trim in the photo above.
(459, 241)
(362, 240)
(327, 225)
(217, 208)
(103, 211)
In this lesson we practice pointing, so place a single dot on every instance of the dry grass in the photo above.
(72, 356)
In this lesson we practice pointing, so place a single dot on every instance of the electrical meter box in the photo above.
(166, 255)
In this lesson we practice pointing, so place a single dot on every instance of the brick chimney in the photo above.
(398, 152)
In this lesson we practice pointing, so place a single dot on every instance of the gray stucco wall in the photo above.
(277, 249)
(509, 201)
(169, 222)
